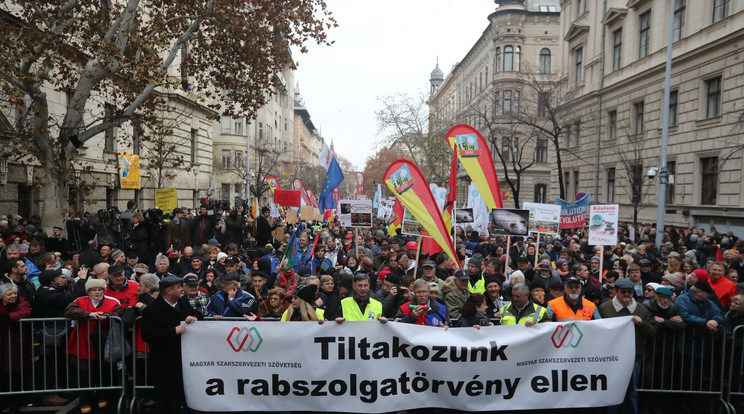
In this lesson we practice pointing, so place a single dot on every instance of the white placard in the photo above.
(603, 225)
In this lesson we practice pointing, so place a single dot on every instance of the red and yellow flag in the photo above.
(449, 202)
(473, 153)
(396, 219)
(405, 181)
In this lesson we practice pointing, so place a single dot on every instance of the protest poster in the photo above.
(509, 222)
(544, 218)
(412, 227)
(369, 367)
(287, 198)
(603, 225)
(355, 213)
(292, 217)
(129, 171)
(166, 199)
(464, 216)
(573, 213)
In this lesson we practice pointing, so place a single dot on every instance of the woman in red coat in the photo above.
(88, 312)
(12, 309)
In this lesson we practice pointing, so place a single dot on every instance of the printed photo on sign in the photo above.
(544, 218)
(467, 145)
(412, 227)
(603, 225)
(402, 180)
(355, 213)
(509, 222)
(464, 215)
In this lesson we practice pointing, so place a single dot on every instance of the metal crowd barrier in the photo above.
(48, 356)
(735, 370)
(691, 361)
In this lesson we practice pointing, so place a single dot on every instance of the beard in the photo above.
(663, 306)
(574, 295)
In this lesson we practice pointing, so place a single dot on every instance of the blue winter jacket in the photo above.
(243, 304)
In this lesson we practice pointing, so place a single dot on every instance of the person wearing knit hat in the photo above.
(87, 311)
(477, 283)
(303, 305)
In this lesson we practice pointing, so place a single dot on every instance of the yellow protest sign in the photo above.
(129, 171)
(166, 199)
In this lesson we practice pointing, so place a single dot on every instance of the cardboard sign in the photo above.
(292, 217)
(307, 213)
(287, 198)
(166, 199)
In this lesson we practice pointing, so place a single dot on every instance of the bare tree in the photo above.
(632, 153)
(403, 124)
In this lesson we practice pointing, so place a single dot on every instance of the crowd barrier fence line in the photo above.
(40, 360)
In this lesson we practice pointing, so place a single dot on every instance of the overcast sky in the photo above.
(381, 48)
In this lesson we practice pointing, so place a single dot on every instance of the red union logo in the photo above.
(565, 336)
(244, 339)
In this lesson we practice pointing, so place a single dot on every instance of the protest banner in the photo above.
(396, 218)
(573, 213)
(412, 227)
(509, 222)
(603, 225)
(129, 171)
(368, 367)
(355, 213)
(464, 216)
(544, 218)
(475, 156)
(287, 198)
(166, 199)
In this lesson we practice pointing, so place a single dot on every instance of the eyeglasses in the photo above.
(649, 290)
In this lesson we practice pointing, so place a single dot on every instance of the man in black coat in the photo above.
(203, 227)
(264, 227)
(162, 329)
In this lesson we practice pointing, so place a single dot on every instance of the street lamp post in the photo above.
(663, 172)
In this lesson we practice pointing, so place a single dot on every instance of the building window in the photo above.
(239, 159)
(713, 103)
(194, 143)
(579, 56)
(226, 192)
(612, 115)
(673, 108)
(720, 9)
(109, 135)
(507, 102)
(671, 170)
(496, 104)
(226, 159)
(480, 81)
(486, 76)
(566, 182)
(260, 130)
(515, 105)
(578, 8)
(548, 8)
(679, 19)
(540, 190)
(709, 185)
(238, 127)
(644, 39)
(636, 182)
(239, 193)
(577, 133)
(286, 124)
(506, 147)
(543, 105)
(617, 48)
(498, 59)
(508, 58)
(638, 117)
(544, 64)
(576, 182)
(517, 56)
(610, 185)
(541, 151)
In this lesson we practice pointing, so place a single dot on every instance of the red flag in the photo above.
(428, 245)
(396, 219)
(449, 202)
(473, 153)
(405, 180)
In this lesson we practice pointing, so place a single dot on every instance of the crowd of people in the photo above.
(211, 264)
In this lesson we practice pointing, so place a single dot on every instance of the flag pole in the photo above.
(418, 252)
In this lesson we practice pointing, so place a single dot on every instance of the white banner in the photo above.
(603, 225)
(369, 367)
(544, 218)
